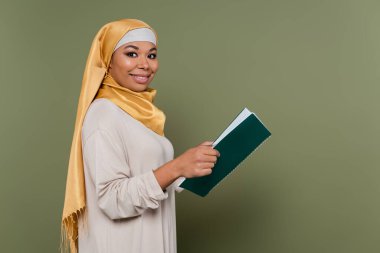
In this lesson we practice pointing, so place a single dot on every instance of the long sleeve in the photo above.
(120, 194)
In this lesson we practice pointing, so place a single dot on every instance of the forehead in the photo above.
(138, 45)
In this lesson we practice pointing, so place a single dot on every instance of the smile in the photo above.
(140, 78)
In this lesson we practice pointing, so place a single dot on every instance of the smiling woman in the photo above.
(122, 176)
(134, 65)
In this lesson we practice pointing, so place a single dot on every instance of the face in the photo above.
(134, 64)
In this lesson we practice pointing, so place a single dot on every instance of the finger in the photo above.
(204, 172)
(206, 143)
(205, 155)
(209, 159)
(206, 165)
(210, 151)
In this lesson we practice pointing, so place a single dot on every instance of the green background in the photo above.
(309, 69)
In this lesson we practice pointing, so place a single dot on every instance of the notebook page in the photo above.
(240, 118)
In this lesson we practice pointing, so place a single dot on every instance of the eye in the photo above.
(131, 54)
(152, 56)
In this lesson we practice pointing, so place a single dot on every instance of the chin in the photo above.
(136, 87)
(141, 88)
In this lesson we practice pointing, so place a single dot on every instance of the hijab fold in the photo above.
(138, 104)
(97, 83)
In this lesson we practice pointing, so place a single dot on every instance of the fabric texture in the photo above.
(96, 67)
(140, 34)
(138, 104)
(127, 212)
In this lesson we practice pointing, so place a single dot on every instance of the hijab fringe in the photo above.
(69, 233)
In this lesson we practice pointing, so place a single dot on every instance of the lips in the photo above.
(142, 79)
(145, 75)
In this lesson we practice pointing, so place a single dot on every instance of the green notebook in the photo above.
(241, 138)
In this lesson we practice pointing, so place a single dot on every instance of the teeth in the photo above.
(141, 78)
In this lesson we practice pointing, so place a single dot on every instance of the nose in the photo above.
(143, 63)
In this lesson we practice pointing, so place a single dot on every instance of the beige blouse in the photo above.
(127, 211)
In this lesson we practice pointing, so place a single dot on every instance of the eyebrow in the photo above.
(153, 48)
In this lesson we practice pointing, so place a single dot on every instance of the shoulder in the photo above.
(102, 114)
(101, 107)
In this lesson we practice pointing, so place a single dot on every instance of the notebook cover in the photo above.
(233, 149)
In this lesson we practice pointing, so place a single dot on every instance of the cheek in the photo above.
(154, 66)
(126, 65)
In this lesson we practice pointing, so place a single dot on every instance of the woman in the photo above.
(122, 175)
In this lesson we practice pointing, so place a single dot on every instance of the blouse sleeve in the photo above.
(118, 194)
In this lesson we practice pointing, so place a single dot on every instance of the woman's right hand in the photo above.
(197, 161)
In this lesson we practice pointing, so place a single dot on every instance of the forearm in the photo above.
(167, 174)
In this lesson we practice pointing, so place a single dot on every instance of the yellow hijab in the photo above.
(138, 104)
(97, 83)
